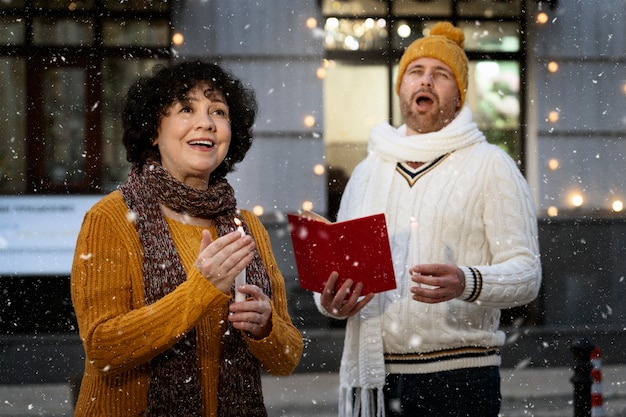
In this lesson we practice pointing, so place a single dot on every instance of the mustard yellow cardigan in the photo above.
(121, 334)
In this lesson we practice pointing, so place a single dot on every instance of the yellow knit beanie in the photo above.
(445, 43)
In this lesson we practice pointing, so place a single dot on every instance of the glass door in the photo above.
(64, 135)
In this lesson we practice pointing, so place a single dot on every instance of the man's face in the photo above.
(429, 96)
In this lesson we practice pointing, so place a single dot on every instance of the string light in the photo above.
(617, 206)
(311, 22)
(319, 170)
(404, 31)
(553, 66)
(553, 164)
(577, 200)
(178, 38)
(542, 18)
(553, 116)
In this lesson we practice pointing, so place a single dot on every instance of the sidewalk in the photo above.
(531, 392)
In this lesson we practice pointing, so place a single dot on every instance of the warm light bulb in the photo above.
(321, 73)
(553, 211)
(553, 66)
(311, 22)
(307, 205)
(553, 116)
(319, 169)
(404, 31)
(553, 164)
(309, 121)
(178, 39)
(542, 18)
(258, 210)
(617, 206)
(577, 200)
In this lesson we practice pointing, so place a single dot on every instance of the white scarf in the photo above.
(363, 363)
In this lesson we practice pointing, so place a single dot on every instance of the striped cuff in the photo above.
(473, 284)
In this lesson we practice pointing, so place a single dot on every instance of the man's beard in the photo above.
(425, 122)
(431, 121)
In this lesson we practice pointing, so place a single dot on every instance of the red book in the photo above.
(357, 249)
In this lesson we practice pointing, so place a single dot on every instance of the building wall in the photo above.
(587, 40)
(269, 45)
(582, 248)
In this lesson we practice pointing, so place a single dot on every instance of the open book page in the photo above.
(313, 216)
(357, 249)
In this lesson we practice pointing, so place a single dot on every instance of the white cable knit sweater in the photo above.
(474, 210)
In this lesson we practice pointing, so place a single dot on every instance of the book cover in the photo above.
(357, 249)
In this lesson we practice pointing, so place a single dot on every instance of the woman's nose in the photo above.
(205, 121)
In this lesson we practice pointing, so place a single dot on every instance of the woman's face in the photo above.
(194, 135)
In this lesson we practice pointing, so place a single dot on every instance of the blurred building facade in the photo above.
(547, 83)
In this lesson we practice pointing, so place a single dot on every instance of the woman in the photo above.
(156, 261)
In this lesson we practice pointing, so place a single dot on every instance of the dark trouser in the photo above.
(471, 392)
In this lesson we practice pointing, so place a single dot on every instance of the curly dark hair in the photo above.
(149, 98)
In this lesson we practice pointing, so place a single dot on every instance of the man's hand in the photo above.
(437, 282)
(345, 301)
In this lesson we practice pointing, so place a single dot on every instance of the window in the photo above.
(12, 128)
(65, 67)
(117, 76)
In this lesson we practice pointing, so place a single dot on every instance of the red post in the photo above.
(596, 385)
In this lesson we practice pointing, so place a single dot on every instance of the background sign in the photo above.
(38, 233)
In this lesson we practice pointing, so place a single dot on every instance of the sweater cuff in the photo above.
(318, 304)
(473, 284)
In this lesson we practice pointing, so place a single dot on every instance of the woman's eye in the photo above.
(220, 113)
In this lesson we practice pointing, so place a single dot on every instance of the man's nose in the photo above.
(427, 79)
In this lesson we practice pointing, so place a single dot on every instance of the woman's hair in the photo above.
(149, 98)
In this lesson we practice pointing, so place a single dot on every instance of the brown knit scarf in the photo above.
(174, 382)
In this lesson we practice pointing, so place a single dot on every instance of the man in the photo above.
(463, 234)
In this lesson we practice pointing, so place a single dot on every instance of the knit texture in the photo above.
(121, 336)
(473, 209)
(174, 387)
(445, 43)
